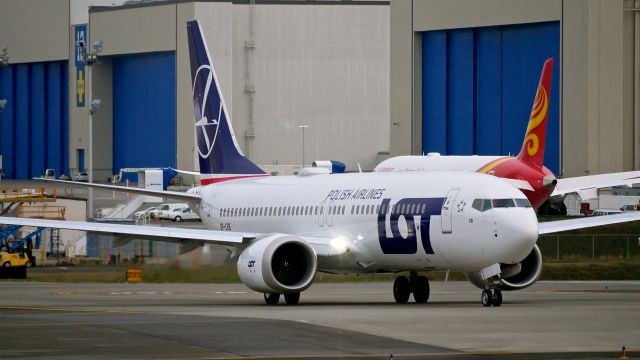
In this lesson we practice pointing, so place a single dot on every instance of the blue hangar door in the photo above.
(144, 110)
(479, 85)
(34, 127)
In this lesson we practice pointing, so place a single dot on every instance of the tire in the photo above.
(28, 264)
(421, 290)
(401, 290)
(497, 298)
(292, 298)
(177, 219)
(22, 272)
(6, 264)
(271, 298)
(486, 298)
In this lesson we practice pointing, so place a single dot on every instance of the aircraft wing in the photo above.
(134, 190)
(189, 239)
(550, 227)
(130, 232)
(587, 186)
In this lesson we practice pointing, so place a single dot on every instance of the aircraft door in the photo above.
(330, 211)
(325, 213)
(446, 214)
(322, 213)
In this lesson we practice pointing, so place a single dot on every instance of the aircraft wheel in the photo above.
(292, 298)
(401, 289)
(271, 298)
(486, 298)
(421, 290)
(497, 297)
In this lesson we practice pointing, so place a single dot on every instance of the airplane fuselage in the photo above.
(390, 222)
(540, 178)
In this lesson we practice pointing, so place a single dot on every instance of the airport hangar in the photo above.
(369, 78)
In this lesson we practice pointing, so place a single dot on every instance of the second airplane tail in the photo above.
(532, 151)
(219, 155)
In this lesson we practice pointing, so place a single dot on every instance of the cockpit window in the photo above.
(488, 204)
(503, 203)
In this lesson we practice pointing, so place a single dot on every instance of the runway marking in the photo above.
(126, 293)
(68, 310)
(452, 354)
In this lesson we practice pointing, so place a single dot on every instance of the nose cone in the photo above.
(518, 232)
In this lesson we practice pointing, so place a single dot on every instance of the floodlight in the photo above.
(97, 46)
(95, 104)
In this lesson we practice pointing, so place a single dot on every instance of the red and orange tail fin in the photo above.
(532, 151)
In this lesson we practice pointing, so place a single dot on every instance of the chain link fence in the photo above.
(595, 247)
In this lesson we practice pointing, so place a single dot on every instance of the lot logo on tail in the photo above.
(206, 129)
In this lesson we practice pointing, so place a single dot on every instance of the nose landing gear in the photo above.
(491, 297)
(403, 287)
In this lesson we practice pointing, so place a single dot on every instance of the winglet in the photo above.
(532, 152)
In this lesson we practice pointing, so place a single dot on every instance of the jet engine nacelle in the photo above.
(514, 276)
(278, 263)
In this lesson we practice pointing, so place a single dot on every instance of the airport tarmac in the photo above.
(552, 320)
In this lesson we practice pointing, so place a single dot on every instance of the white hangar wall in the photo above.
(281, 65)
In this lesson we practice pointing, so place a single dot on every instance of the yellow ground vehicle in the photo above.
(15, 259)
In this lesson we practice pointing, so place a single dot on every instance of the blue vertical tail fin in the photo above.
(218, 151)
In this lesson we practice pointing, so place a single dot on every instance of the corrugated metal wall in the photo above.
(479, 85)
(144, 110)
(34, 127)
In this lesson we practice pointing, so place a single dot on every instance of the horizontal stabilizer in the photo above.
(520, 184)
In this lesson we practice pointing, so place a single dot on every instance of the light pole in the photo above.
(4, 61)
(90, 58)
(303, 127)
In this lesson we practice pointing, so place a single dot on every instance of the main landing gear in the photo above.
(274, 298)
(491, 297)
(403, 287)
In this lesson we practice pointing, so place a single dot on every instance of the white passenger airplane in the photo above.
(287, 228)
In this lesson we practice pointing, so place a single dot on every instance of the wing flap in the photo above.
(144, 232)
(586, 222)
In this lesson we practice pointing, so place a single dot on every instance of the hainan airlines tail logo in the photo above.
(538, 115)
(206, 129)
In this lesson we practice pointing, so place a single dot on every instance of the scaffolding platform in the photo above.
(49, 212)
(35, 194)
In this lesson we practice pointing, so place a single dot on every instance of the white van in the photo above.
(163, 211)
